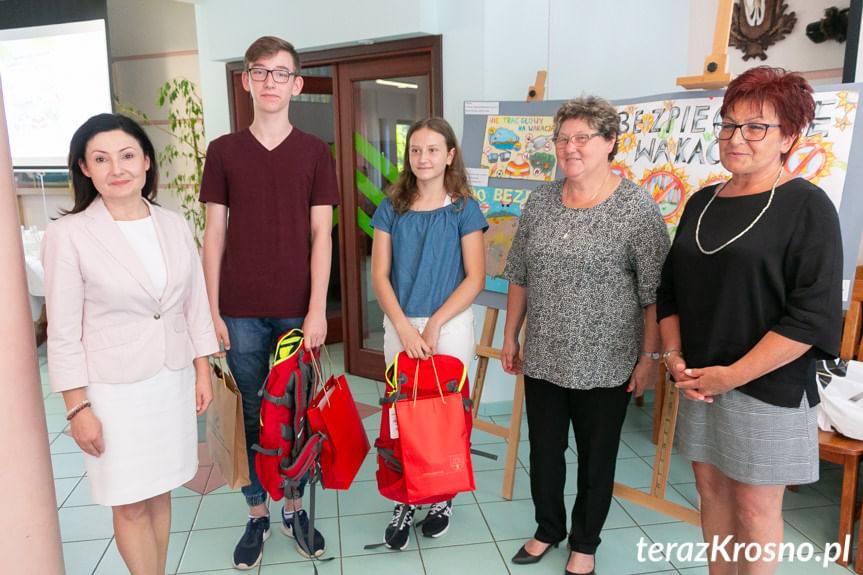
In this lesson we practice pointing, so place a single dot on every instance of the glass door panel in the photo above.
(385, 97)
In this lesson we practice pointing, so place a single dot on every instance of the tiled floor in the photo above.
(486, 529)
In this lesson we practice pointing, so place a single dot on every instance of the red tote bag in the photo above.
(435, 446)
(333, 413)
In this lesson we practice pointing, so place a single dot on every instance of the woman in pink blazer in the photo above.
(129, 332)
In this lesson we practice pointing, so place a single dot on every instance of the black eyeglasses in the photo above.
(577, 139)
(752, 132)
(280, 76)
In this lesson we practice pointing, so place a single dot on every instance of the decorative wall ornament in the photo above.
(758, 24)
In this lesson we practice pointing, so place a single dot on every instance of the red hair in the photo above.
(788, 92)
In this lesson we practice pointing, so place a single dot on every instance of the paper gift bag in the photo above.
(435, 446)
(334, 414)
(226, 435)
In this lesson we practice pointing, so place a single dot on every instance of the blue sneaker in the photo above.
(248, 552)
(303, 519)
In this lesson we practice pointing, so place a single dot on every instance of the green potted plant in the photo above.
(181, 161)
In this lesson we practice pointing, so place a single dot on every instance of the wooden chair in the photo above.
(842, 450)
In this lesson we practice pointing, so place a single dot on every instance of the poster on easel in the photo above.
(667, 146)
(519, 147)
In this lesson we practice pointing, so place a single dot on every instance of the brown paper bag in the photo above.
(226, 436)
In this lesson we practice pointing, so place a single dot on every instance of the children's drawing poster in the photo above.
(519, 147)
(667, 145)
(502, 209)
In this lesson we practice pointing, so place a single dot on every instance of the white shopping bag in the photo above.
(840, 386)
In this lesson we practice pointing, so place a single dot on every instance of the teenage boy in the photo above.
(267, 268)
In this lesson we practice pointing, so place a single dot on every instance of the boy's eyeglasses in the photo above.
(280, 76)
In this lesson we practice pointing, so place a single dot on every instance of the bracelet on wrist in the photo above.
(77, 409)
(651, 354)
(668, 353)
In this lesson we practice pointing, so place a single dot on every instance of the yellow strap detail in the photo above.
(289, 344)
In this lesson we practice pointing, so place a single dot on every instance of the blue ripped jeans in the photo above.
(252, 339)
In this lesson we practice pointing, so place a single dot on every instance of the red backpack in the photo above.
(287, 449)
(402, 376)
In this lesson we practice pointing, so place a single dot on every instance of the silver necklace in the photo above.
(738, 236)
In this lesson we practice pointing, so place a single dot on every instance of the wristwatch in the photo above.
(651, 354)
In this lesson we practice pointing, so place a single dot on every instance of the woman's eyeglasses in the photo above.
(752, 131)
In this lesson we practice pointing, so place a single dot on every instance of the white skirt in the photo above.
(150, 433)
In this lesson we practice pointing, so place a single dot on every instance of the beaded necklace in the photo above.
(738, 236)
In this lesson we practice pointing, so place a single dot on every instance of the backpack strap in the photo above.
(277, 452)
(285, 399)
(388, 455)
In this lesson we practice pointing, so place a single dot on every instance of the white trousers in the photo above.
(456, 337)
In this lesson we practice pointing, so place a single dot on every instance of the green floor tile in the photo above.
(510, 519)
(403, 562)
(467, 526)
(63, 487)
(183, 512)
(112, 562)
(489, 485)
(228, 510)
(64, 444)
(81, 557)
(357, 531)
(211, 549)
(478, 559)
(633, 473)
(82, 523)
(362, 498)
(679, 533)
(80, 496)
(68, 465)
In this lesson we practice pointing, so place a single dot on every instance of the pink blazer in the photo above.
(106, 323)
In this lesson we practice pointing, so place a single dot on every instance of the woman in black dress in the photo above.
(750, 296)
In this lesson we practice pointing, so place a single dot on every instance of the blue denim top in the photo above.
(427, 263)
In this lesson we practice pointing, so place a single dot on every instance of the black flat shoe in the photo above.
(525, 558)
(568, 572)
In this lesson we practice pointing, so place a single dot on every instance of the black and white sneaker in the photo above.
(436, 523)
(398, 532)
(248, 552)
(302, 537)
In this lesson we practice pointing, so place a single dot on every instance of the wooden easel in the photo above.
(512, 434)
(656, 498)
(485, 351)
(715, 74)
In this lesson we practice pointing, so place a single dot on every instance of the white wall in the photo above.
(794, 52)
(142, 62)
(491, 49)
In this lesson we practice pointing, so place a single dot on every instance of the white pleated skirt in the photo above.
(151, 437)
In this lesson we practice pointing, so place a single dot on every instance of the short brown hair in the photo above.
(598, 113)
(268, 46)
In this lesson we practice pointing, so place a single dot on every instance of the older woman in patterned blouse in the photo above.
(584, 267)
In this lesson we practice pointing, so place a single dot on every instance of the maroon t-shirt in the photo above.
(269, 193)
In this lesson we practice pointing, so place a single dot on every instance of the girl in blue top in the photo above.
(428, 265)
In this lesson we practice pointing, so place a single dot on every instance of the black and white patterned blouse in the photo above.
(589, 273)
